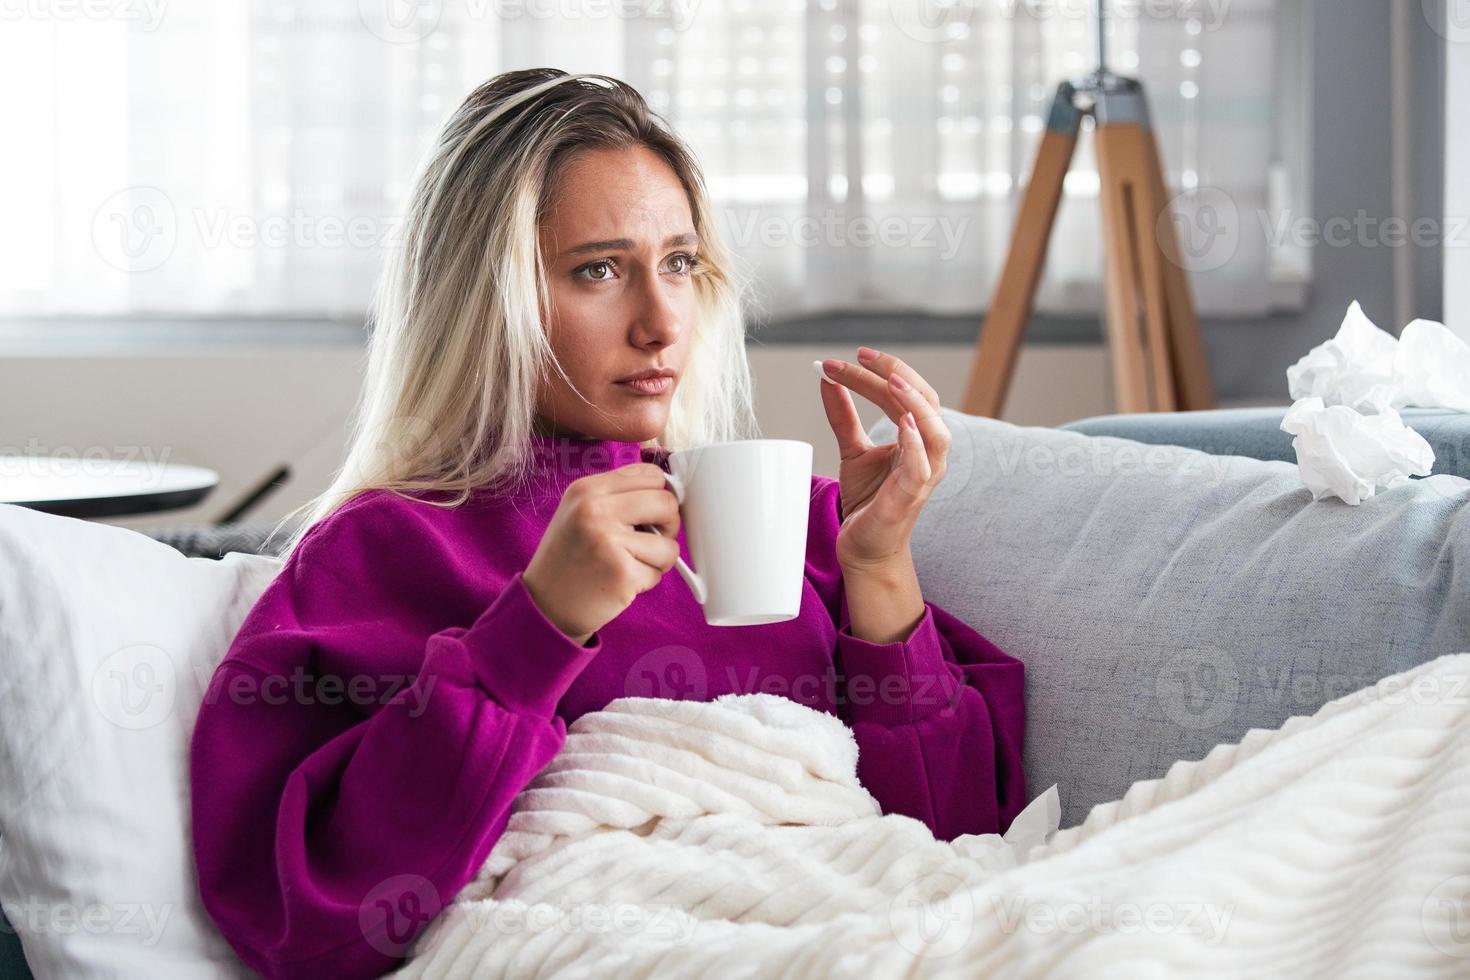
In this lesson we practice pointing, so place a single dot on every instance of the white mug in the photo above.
(743, 506)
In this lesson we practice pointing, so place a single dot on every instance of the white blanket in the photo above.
(732, 838)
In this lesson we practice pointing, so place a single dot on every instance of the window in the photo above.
(250, 158)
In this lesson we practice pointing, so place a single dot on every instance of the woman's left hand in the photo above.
(883, 487)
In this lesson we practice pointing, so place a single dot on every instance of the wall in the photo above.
(1457, 164)
(1352, 171)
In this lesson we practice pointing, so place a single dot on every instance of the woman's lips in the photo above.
(649, 386)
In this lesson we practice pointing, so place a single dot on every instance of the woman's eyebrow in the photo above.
(623, 244)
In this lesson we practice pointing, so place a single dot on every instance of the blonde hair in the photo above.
(458, 349)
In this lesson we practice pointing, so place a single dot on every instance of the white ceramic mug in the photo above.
(743, 506)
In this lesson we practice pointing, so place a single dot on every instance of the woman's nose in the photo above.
(658, 319)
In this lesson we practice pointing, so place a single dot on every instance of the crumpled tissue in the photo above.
(1343, 453)
(1368, 369)
(1350, 440)
(1033, 827)
(1432, 368)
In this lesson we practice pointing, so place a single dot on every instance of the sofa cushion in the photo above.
(1256, 432)
(108, 640)
(1165, 600)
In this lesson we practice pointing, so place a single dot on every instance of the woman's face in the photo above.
(619, 250)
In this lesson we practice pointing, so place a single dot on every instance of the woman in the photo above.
(476, 577)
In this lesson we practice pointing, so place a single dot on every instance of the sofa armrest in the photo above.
(1256, 433)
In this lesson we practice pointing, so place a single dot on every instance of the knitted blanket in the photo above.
(732, 838)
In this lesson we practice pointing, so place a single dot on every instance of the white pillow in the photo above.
(108, 640)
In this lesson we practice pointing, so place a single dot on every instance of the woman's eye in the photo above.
(591, 266)
(688, 262)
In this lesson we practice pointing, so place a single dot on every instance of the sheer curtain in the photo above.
(250, 158)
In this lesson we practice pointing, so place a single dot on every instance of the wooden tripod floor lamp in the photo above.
(1154, 343)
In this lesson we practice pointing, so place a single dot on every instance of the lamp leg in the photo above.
(1137, 145)
(1191, 369)
(996, 351)
(1122, 271)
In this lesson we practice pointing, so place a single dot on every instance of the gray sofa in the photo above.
(1163, 599)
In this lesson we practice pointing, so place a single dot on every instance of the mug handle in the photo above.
(691, 578)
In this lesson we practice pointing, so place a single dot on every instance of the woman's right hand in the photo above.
(592, 562)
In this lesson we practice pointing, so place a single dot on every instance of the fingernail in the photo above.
(822, 372)
(899, 382)
(866, 353)
(908, 418)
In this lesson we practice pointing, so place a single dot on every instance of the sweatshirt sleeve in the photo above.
(330, 825)
(939, 717)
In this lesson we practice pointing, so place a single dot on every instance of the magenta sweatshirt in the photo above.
(395, 687)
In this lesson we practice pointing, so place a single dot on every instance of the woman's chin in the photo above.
(634, 423)
(647, 424)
